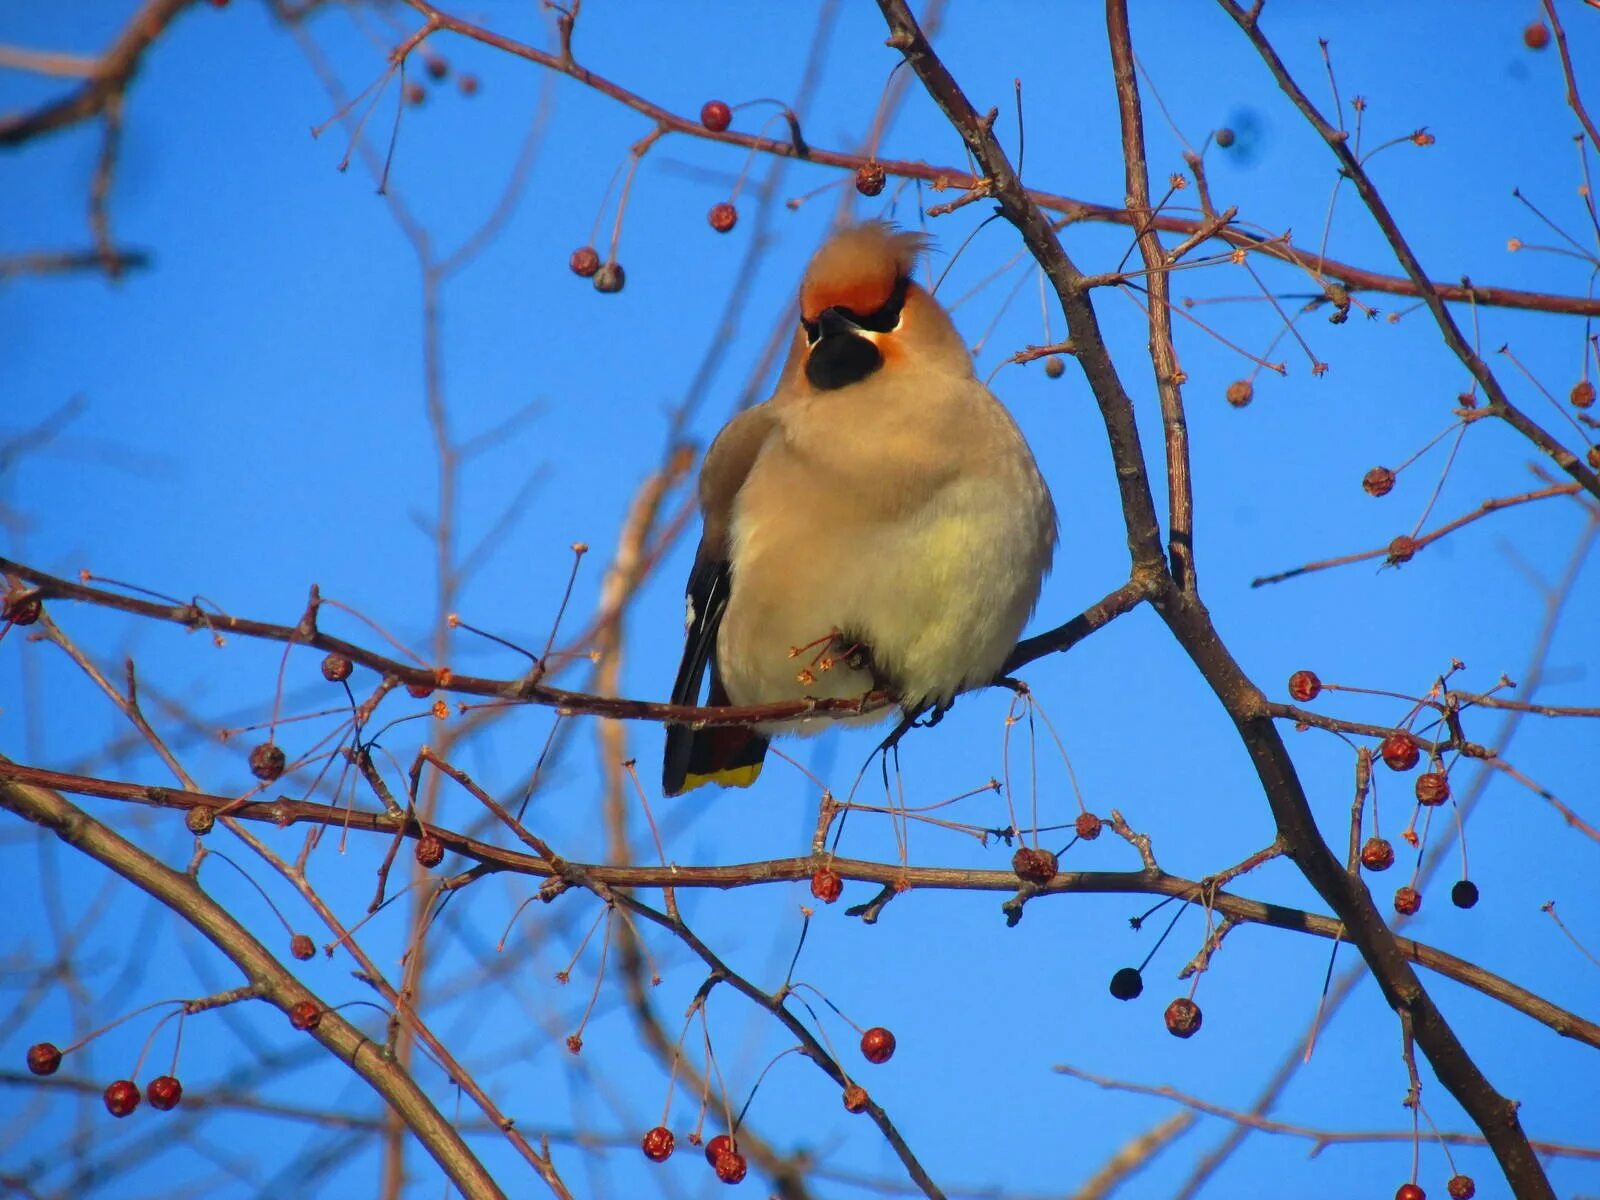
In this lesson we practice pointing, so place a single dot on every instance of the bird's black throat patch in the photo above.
(840, 359)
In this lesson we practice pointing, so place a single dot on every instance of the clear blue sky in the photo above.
(253, 422)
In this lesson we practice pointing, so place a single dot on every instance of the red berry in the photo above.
(609, 278)
(1402, 549)
(826, 884)
(336, 668)
(1240, 392)
(305, 1014)
(1400, 751)
(164, 1092)
(855, 1098)
(1409, 1191)
(436, 67)
(1127, 983)
(723, 217)
(1582, 396)
(718, 1146)
(1183, 1018)
(1377, 854)
(415, 93)
(44, 1058)
(420, 691)
(122, 1097)
(870, 179)
(430, 851)
(1461, 1187)
(467, 84)
(1407, 901)
(1034, 865)
(731, 1167)
(658, 1144)
(1535, 37)
(715, 115)
(267, 762)
(585, 261)
(1378, 482)
(21, 609)
(1433, 788)
(877, 1045)
(1304, 687)
(1087, 826)
(302, 947)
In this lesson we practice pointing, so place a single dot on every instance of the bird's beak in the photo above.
(832, 322)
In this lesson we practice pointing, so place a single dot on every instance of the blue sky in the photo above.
(253, 422)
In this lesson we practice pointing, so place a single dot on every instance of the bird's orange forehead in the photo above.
(860, 293)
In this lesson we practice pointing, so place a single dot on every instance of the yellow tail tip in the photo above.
(730, 777)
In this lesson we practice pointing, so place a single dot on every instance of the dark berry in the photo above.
(877, 1045)
(200, 821)
(1226, 137)
(1461, 1187)
(1127, 983)
(436, 67)
(1183, 1018)
(21, 609)
(44, 1058)
(1464, 894)
(416, 93)
(467, 84)
(122, 1097)
(430, 851)
(1034, 865)
(658, 1144)
(1399, 751)
(715, 115)
(870, 179)
(336, 668)
(1304, 687)
(1402, 549)
(164, 1092)
(267, 762)
(609, 278)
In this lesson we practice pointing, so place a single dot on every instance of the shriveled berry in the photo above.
(430, 851)
(1582, 396)
(1054, 367)
(1127, 983)
(1400, 751)
(200, 821)
(1304, 687)
(877, 1045)
(44, 1058)
(164, 1092)
(574, 1042)
(122, 1097)
(718, 1146)
(870, 179)
(336, 668)
(1377, 854)
(267, 761)
(1536, 36)
(1034, 865)
(1433, 788)
(22, 608)
(1378, 482)
(1087, 826)
(1407, 901)
(416, 93)
(305, 1014)
(1461, 1187)
(855, 1098)
(1402, 549)
(826, 884)
(731, 1167)
(723, 217)
(1240, 392)
(609, 278)
(302, 947)
(658, 1144)
(1410, 1191)
(436, 66)
(1183, 1018)
(1464, 894)
(585, 261)
(715, 115)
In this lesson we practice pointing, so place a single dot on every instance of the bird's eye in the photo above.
(886, 318)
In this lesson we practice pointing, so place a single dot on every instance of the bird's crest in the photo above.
(858, 269)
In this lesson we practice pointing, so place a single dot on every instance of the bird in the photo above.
(878, 524)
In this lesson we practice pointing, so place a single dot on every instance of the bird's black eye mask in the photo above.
(881, 320)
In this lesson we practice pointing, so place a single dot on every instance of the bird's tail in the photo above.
(726, 755)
